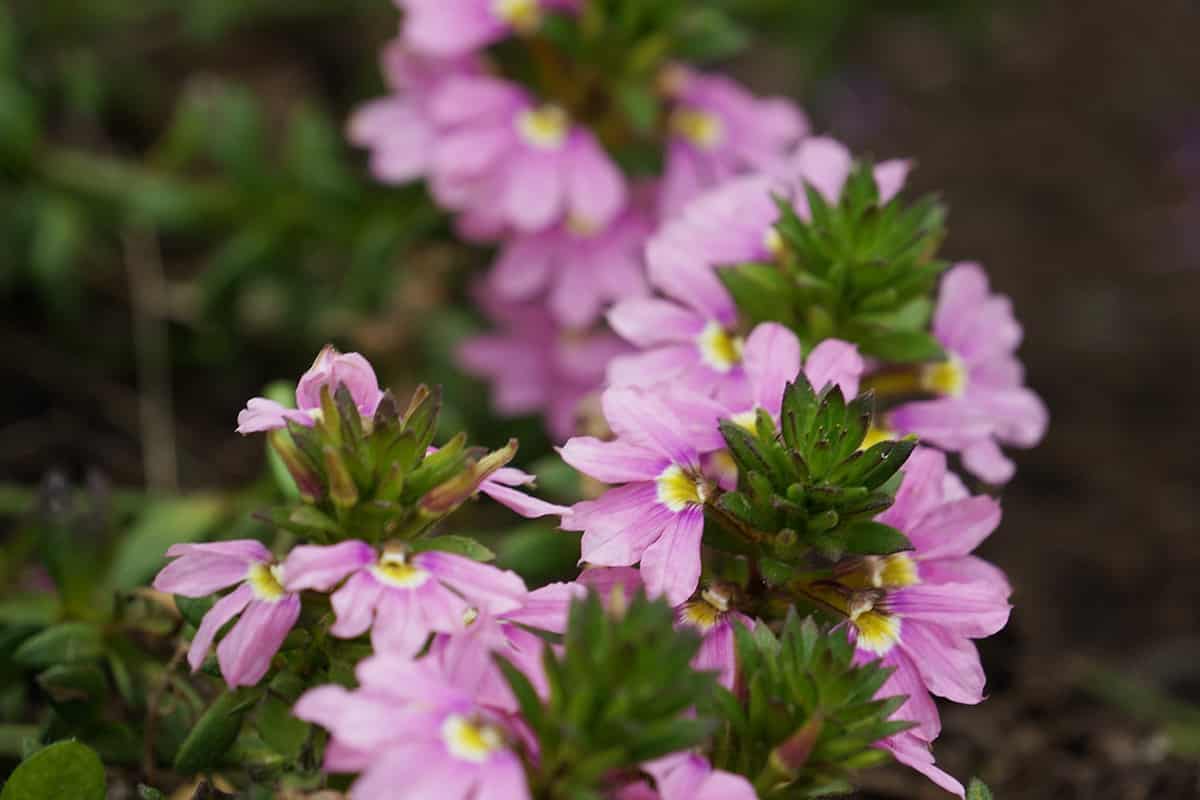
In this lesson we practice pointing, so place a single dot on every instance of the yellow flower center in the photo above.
(677, 489)
(746, 419)
(945, 378)
(267, 581)
(470, 741)
(581, 227)
(718, 348)
(701, 615)
(875, 435)
(878, 631)
(394, 569)
(702, 129)
(774, 243)
(523, 15)
(891, 572)
(544, 128)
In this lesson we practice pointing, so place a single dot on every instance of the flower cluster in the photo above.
(779, 378)
(519, 117)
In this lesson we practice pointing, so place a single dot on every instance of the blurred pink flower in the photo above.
(268, 611)
(584, 269)
(501, 156)
(719, 130)
(455, 27)
(983, 401)
(535, 365)
(397, 128)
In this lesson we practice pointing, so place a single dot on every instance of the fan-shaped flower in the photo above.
(982, 398)
(267, 610)
(331, 369)
(401, 597)
(455, 27)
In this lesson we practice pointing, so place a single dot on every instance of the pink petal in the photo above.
(526, 505)
(595, 186)
(546, 608)
(354, 605)
(645, 420)
(985, 459)
(246, 651)
(963, 608)
(222, 611)
(646, 321)
(671, 565)
(890, 177)
(201, 569)
(653, 367)
(835, 362)
(322, 568)
(772, 360)
(949, 665)
(493, 590)
(955, 529)
(533, 197)
(612, 462)
(261, 414)
(912, 752)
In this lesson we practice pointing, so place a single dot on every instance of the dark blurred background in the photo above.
(180, 224)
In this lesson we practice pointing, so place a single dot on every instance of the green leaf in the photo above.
(142, 550)
(867, 537)
(978, 790)
(67, 643)
(902, 347)
(62, 770)
(213, 734)
(762, 292)
(282, 731)
(458, 545)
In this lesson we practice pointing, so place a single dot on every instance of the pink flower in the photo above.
(535, 365)
(771, 359)
(711, 615)
(330, 369)
(455, 27)
(401, 597)
(412, 732)
(688, 776)
(466, 657)
(689, 337)
(982, 397)
(502, 157)
(585, 269)
(267, 610)
(657, 515)
(719, 130)
(919, 611)
(397, 128)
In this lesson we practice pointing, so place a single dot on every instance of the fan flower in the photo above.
(331, 369)
(919, 611)
(982, 400)
(719, 130)
(268, 610)
(412, 732)
(657, 516)
(401, 597)
(456, 27)
(912, 751)
(535, 365)
(467, 659)
(397, 129)
(501, 157)
(771, 359)
(584, 268)
(499, 486)
(689, 337)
